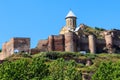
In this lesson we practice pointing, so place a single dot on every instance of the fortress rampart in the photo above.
(70, 39)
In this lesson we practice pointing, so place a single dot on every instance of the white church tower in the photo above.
(70, 23)
(71, 20)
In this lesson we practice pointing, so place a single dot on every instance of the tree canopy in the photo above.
(107, 71)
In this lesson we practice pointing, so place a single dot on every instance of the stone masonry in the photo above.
(74, 40)
(15, 45)
(70, 39)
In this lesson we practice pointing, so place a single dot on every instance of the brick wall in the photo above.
(20, 44)
(42, 45)
(58, 43)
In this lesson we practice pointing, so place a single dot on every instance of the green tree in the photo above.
(38, 69)
(62, 70)
(107, 71)
(14, 70)
(23, 69)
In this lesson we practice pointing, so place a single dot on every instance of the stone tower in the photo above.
(71, 20)
(69, 42)
(92, 42)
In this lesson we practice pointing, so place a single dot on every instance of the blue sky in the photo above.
(38, 19)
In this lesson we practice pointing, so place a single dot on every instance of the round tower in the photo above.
(92, 45)
(71, 20)
(50, 43)
(109, 39)
(69, 43)
(109, 43)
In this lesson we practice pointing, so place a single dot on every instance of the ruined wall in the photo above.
(54, 43)
(7, 47)
(4, 55)
(42, 45)
(97, 44)
(4, 50)
(59, 43)
(35, 51)
(19, 44)
(83, 44)
(116, 42)
(100, 45)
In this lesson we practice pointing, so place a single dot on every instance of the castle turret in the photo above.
(92, 46)
(71, 20)
(69, 42)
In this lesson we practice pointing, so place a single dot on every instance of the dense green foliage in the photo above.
(38, 68)
(60, 66)
(61, 70)
(107, 71)
(23, 69)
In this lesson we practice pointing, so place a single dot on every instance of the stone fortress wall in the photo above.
(70, 39)
(71, 42)
(15, 45)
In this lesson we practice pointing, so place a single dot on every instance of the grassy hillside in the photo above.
(80, 59)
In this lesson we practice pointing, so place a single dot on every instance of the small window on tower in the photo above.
(74, 22)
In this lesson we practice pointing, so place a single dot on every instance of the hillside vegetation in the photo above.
(59, 66)
(94, 31)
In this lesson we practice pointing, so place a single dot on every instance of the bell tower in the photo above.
(71, 20)
(70, 23)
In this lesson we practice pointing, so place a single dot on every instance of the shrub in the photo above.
(62, 70)
(52, 55)
(23, 69)
(107, 71)
(90, 56)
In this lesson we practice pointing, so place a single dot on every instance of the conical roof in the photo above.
(70, 14)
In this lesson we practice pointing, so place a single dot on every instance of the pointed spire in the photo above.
(70, 14)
